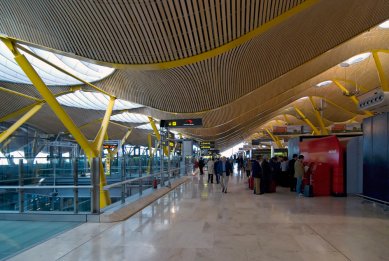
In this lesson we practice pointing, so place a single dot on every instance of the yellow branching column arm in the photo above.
(286, 119)
(20, 94)
(307, 121)
(345, 91)
(275, 139)
(323, 129)
(98, 142)
(150, 143)
(381, 72)
(156, 132)
(49, 98)
(18, 112)
(352, 97)
(4, 135)
(128, 133)
(27, 108)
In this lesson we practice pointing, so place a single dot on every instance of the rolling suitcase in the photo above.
(251, 183)
(272, 186)
(308, 191)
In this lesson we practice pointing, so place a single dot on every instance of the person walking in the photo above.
(292, 179)
(266, 174)
(216, 170)
(257, 175)
(299, 173)
(225, 168)
(201, 165)
(284, 172)
(248, 167)
(210, 166)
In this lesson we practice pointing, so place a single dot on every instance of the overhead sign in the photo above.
(258, 141)
(207, 144)
(171, 143)
(110, 146)
(181, 123)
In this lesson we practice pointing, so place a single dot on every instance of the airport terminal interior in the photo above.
(194, 130)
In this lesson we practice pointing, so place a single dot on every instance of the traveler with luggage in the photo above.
(299, 173)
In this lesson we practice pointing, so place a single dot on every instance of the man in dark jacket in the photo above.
(257, 174)
(292, 179)
(216, 170)
(225, 169)
(201, 165)
(266, 174)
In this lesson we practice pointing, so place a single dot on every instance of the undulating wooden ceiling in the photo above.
(236, 64)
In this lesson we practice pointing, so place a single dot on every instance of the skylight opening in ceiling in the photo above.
(355, 59)
(11, 72)
(147, 126)
(384, 25)
(93, 101)
(323, 84)
(130, 117)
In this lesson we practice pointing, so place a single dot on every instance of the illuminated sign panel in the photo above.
(180, 123)
(207, 144)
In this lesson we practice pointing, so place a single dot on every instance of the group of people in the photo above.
(220, 168)
(266, 173)
(276, 171)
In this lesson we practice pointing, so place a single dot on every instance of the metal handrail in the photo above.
(136, 179)
(373, 199)
(42, 187)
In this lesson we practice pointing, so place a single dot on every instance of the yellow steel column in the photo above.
(381, 72)
(128, 133)
(150, 143)
(4, 135)
(18, 112)
(156, 132)
(20, 94)
(323, 129)
(353, 98)
(345, 91)
(88, 147)
(307, 121)
(286, 119)
(98, 142)
(50, 99)
(275, 139)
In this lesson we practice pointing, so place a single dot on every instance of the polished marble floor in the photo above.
(197, 221)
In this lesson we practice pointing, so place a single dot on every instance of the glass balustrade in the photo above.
(61, 182)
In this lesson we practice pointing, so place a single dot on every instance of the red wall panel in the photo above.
(327, 150)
